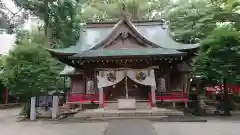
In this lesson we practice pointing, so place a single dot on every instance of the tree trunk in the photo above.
(226, 106)
(46, 21)
(198, 94)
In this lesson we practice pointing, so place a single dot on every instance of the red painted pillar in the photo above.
(6, 95)
(150, 99)
(70, 89)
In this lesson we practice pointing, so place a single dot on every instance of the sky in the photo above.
(6, 40)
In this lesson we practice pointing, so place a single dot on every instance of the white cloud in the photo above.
(6, 40)
(6, 43)
(10, 5)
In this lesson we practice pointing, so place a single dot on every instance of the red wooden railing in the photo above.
(170, 96)
(84, 98)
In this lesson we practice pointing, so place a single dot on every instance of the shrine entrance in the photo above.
(124, 84)
(138, 91)
(134, 90)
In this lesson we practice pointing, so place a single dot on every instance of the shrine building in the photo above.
(137, 60)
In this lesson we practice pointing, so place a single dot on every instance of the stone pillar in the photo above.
(33, 109)
(185, 81)
(186, 104)
(101, 104)
(54, 107)
(174, 105)
(153, 96)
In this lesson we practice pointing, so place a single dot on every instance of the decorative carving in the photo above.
(124, 35)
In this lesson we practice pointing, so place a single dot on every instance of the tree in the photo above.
(62, 19)
(110, 10)
(193, 20)
(9, 20)
(29, 69)
(219, 59)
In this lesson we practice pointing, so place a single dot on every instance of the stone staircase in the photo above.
(146, 113)
(142, 105)
(111, 106)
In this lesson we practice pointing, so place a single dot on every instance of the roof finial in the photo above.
(123, 7)
(124, 10)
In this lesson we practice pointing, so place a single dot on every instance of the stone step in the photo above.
(129, 113)
(151, 118)
(111, 106)
(141, 105)
(128, 117)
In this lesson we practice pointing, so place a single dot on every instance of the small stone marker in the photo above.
(33, 109)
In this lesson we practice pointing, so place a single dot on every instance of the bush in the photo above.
(236, 99)
(25, 111)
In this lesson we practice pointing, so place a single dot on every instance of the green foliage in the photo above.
(24, 110)
(29, 69)
(191, 20)
(194, 20)
(63, 19)
(64, 22)
(219, 55)
(110, 10)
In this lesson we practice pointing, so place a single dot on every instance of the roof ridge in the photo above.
(112, 23)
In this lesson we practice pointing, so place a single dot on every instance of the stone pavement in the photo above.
(130, 127)
(9, 126)
(208, 128)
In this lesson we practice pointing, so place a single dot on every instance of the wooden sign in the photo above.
(44, 101)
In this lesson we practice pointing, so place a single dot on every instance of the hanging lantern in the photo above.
(90, 87)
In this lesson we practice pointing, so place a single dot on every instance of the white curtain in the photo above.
(109, 78)
(142, 76)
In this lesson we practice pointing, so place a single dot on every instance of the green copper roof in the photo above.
(69, 50)
(157, 33)
(127, 52)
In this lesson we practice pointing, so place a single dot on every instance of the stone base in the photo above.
(155, 108)
(99, 110)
